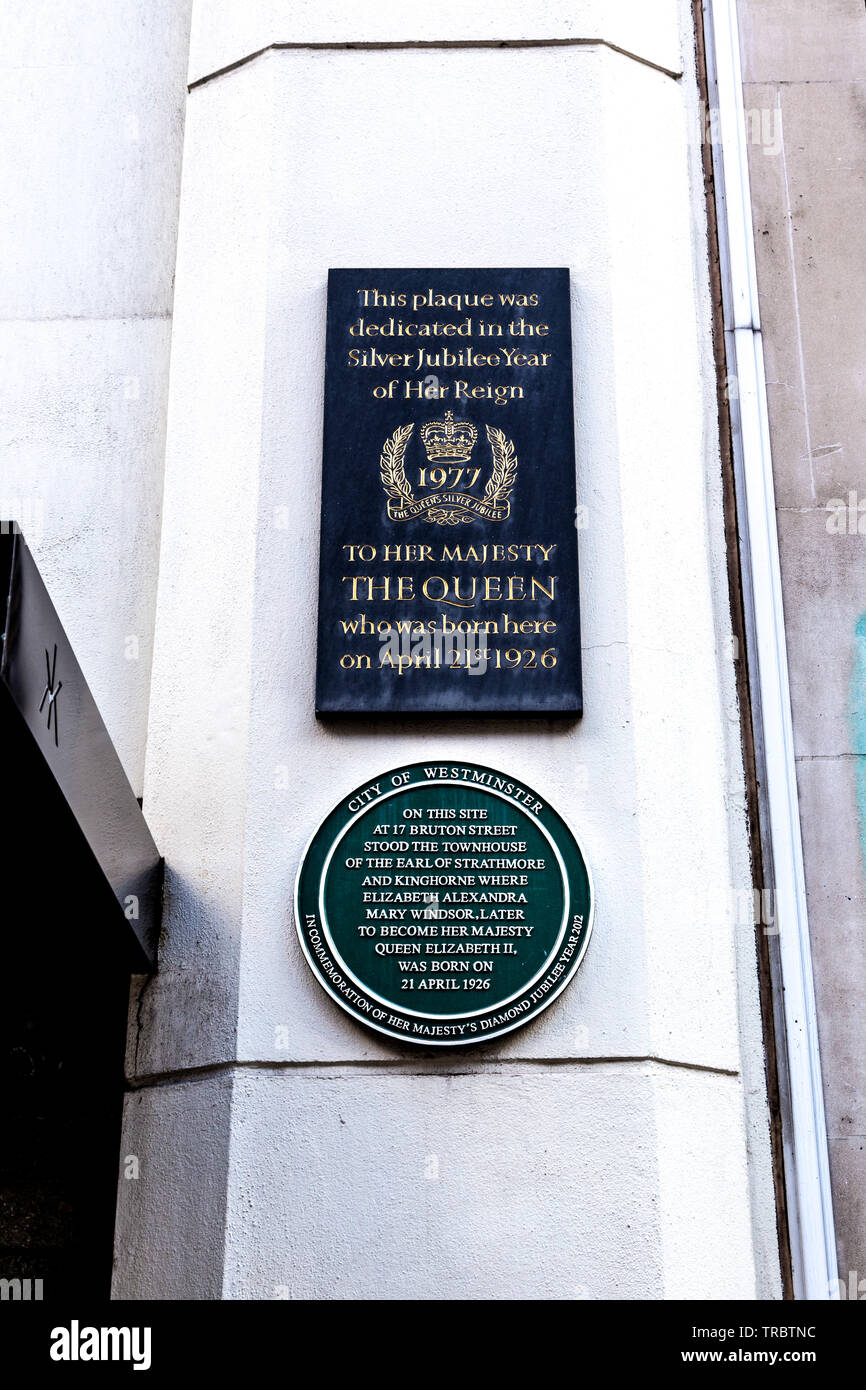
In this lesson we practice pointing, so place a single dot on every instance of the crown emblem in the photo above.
(449, 438)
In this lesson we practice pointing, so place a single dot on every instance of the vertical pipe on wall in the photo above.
(807, 1175)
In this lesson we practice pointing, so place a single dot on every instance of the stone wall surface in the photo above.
(620, 1143)
(804, 73)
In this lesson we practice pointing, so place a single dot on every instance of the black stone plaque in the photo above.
(448, 578)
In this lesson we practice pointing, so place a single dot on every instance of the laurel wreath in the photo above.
(504, 473)
(392, 470)
(391, 466)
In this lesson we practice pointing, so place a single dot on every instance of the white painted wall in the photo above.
(91, 105)
(617, 1147)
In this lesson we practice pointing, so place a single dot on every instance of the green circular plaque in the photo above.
(444, 903)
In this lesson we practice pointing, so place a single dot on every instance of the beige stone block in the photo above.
(823, 595)
(836, 892)
(782, 40)
(825, 181)
(848, 1171)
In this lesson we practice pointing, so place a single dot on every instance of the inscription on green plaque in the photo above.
(444, 903)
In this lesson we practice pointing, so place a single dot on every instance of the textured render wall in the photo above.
(804, 70)
(619, 1145)
(92, 101)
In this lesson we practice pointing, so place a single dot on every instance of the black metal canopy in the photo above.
(74, 834)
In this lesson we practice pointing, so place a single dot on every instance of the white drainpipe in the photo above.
(807, 1171)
